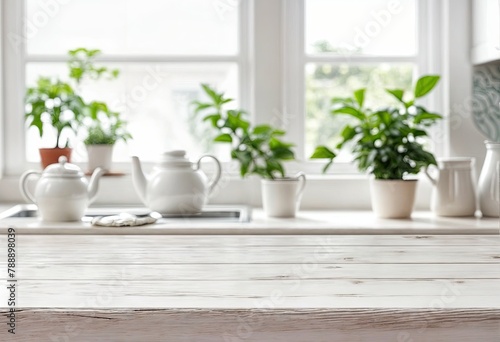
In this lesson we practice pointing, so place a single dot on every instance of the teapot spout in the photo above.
(94, 183)
(139, 179)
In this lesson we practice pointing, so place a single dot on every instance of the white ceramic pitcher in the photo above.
(454, 192)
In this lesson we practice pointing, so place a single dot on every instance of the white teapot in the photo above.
(176, 185)
(62, 193)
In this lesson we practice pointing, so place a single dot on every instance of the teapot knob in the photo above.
(62, 160)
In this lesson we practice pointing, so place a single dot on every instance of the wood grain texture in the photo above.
(352, 325)
(260, 272)
(255, 288)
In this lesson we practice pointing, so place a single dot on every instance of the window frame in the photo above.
(16, 61)
(271, 80)
(296, 58)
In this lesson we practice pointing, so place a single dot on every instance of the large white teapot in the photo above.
(175, 186)
(62, 193)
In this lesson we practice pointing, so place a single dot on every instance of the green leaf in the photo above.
(212, 94)
(214, 118)
(323, 152)
(200, 105)
(283, 153)
(426, 117)
(224, 138)
(349, 111)
(262, 129)
(425, 84)
(360, 96)
(397, 93)
(275, 143)
(348, 133)
(278, 132)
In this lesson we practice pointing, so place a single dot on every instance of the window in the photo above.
(163, 49)
(337, 33)
(282, 60)
(337, 46)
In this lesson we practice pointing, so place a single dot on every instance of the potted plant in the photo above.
(259, 150)
(389, 144)
(101, 139)
(104, 127)
(53, 105)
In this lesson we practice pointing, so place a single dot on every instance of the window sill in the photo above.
(323, 192)
(307, 222)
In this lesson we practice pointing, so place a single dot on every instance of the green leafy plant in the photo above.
(387, 142)
(99, 134)
(55, 104)
(81, 65)
(106, 126)
(258, 149)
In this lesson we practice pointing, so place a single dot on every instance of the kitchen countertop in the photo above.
(255, 288)
(306, 222)
(323, 276)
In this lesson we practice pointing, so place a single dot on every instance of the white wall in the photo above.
(465, 139)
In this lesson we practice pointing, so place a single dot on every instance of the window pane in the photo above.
(325, 81)
(155, 99)
(367, 27)
(187, 27)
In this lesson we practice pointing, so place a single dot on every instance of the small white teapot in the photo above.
(175, 186)
(62, 193)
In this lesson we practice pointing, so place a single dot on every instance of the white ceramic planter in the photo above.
(99, 156)
(281, 197)
(393, 198)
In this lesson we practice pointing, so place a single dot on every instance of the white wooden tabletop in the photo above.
(255, 288)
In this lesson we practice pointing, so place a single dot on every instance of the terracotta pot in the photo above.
(393, 198)
(51, 155)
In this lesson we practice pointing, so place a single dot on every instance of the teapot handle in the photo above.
(23, 185)
(216, 178)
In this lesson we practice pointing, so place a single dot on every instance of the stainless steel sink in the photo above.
(209, 214)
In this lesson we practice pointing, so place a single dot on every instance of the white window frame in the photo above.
(271, 82)
(428, 14)
(17, 60)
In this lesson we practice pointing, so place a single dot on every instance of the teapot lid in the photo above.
(175, 158)
(63, 169)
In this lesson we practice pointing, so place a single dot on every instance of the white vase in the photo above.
(393, 198)
(99, 156)
(281, 197)
(488, 181)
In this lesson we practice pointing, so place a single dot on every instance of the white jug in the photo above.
(454, 191)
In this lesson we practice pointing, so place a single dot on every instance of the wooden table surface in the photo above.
(254, 288)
